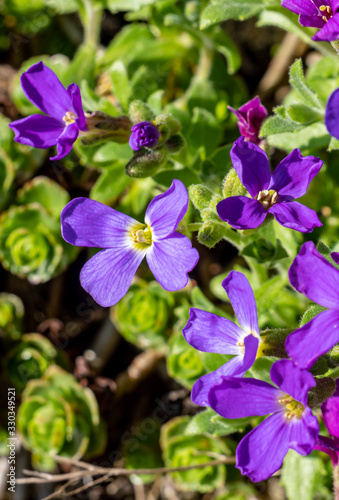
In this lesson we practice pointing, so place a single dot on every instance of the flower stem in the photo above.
(335, 45)
(90, 15)
(336, 482)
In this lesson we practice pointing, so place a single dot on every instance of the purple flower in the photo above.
(63, 107)
(330, 411)
(271, 193)
(312, 275)
(317, 14)
(290, 425)
(108, 275)
(208, 332)
(144, 134)
(250, 116)
(332, 114)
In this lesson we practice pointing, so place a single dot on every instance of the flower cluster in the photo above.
(125, 242)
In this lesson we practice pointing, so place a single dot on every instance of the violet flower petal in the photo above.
(75, 95)
(208, 332)
(108, 274)
(171, 259)
(313, 339)
(328, 445)
(252, 166)
(332, 114)
(294, 173)
(322, 284)
(65, 141)
(292, 380)
(311, 21)
(166, 210)
(133, 143)
(261, 452)
(241, 212)
(248, 397)
(235, 367)
(335, 257)
(301, 7)
(330, 31)
(44, 89)
(88, 223)
(294, 215)
(241, 296)
(38, 131)
(303, 432)
(330, 411)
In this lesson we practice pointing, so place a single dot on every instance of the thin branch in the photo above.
(40, 477)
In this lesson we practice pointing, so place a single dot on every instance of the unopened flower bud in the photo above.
(199, 195)
(144, 134)
(140, 112)
(232, 185)
(210, 233)
(175, 143)
(146, 162)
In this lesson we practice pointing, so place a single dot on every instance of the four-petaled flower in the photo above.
(290, 424)
(108, 275)
(312, 275)
(144, 134)
(63, 107)
(208, 332)
(250, 116)
(271, 193)
(321, 14)
(330, 413)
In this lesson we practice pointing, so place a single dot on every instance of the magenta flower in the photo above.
(271, 193)
(332, 114)
(290, 424)
(312, 275)
(321, 14)
(144, 134)
(250, 116)
(65, 116)
(330, 411)
(108, 275)
(208, 332)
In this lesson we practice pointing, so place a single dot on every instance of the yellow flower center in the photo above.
(69, 117)
(293, 408)
(141, 235)
(326, 11)
(267, 198)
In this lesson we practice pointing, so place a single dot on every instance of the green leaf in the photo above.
(303, 477)
(311, 313)
(261, 369)
(225, 45)
(46, 192)
(313, 136)
(127, 5)
(278, 125)
(334, 144)
(298, 82)
(209, 422)
(121, 85)
(221, 10)
(110, 185)
(204, 131)
(301, 113)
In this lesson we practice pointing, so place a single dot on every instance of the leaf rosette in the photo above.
(144, 314)
(11, 316)
(30, 243)
(30, 359)
(180, 451)
(58, 416)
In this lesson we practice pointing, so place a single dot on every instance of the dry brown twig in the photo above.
(88, 470)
